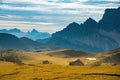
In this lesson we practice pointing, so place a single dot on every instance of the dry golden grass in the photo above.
(33, 69)
(11, 71)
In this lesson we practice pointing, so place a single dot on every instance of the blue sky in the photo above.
(50, 15)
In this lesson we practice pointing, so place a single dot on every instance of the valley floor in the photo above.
(13, 71)
(33, 69)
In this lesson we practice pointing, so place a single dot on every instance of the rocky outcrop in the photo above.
(77, 62)
(46, 62)
(10, 57)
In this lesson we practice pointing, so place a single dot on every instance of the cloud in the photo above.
(41, 26)
(42, 1)
(69, 8)
(97, 2)
(114, 0)
(51, 12)
(11, 17)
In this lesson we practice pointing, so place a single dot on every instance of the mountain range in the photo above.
(9, 41)
(90, 36)
(34, 34)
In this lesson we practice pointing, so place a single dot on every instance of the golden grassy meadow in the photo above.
(33, 69)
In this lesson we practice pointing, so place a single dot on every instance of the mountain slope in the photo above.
(90, 36)
(67, 53)
(110, 57)
(111, 20)
(33, 45)
(34, 35)
(8, 41)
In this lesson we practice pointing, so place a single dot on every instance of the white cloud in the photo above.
(22, 8)
(41, 26)
(23, 22)
(67, 9)
(42, 1)
(58, 6)
(11, 16)
(61, 11)
(114, 0)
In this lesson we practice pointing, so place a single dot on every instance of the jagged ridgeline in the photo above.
(91, 36)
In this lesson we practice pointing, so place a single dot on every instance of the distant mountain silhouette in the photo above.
(34, 31)
(34, 34)
(15, 30)
(91, 36)
(9, 41)
(43, 40)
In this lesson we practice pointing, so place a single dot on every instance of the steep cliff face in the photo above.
(111, 20)
(110, 24)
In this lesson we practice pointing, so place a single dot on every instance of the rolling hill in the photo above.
(32, 67)
(64, 56)
(67, 53)
(110, 57)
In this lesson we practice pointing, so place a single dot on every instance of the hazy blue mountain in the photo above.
(3, 30)
(90, 35)
(33, 45)
(9, 41)
(34, 31)
(15, 30)
(43, 40)
(34, 34)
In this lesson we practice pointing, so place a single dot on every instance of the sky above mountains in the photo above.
(50, 15)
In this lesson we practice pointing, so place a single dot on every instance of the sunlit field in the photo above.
(33, 69)
(12, 71)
